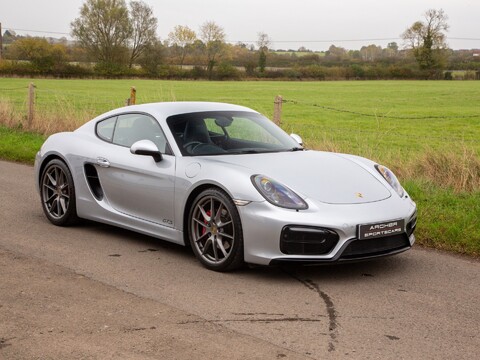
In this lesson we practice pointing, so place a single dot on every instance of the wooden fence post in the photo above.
(133, 95)
(277, 110)
(31, 103)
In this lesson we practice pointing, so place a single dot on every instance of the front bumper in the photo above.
(263, 223)
(341, 255)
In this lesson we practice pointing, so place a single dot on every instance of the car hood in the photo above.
(323, 176)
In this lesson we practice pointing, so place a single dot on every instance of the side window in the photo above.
(105, 128)
(131, 128)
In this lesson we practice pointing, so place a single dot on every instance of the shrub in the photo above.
(110, 69)
(198, 72)
(226, 71)
(313, 72)
(358, 71)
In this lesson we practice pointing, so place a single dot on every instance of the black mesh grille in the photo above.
(297, 240)
(371, 247)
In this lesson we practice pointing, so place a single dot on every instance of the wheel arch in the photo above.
(46, 160)
(189, 202)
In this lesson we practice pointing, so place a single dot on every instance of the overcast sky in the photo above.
(290, 24)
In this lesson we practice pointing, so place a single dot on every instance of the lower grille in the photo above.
(297, 240)
(372, 247)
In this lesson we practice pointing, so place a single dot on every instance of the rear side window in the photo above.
(105, 128)
(126, 129)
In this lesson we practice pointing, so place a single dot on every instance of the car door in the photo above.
(136, 185)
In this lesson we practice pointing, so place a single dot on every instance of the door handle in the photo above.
(103, 162)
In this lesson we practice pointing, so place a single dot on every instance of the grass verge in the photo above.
(17, 145)
(447, 220)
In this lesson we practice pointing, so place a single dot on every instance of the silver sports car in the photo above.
(226, 181)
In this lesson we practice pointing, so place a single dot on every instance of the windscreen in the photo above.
(228, 132)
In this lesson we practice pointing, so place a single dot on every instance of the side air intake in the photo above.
(93, 181)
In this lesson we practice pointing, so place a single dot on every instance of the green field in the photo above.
(457, 101)
(427, 131)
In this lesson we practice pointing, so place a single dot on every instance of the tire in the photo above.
(57, 193)
(216, 240)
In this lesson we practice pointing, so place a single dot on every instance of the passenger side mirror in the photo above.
(297, 138)
(146, 147)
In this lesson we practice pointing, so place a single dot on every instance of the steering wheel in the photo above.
(191, 145)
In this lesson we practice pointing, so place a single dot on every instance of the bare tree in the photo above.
(427, 39)
(371, 52)
(104, 29)
(213, 36)
(182, 37)
(144, 29)
(263, 43)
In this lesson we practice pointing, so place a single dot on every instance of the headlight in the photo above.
(391, 179)
(278, 194)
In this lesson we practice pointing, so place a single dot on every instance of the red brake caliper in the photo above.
(204, 230)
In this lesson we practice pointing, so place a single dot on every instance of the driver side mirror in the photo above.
(146, 147)
(297, 138)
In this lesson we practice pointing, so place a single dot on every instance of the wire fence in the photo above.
(397, 129)
(50, 100)
(31, 101)
(385, 116)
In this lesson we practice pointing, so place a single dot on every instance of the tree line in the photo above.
(113, 39)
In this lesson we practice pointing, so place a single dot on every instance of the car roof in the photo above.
(161, 111)
(166, 109)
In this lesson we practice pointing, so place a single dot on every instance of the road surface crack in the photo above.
(264, 320)
(331, 312)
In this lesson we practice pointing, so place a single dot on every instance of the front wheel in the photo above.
(57, 193)
(215, 231)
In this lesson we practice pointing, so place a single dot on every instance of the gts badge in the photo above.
(167, 222)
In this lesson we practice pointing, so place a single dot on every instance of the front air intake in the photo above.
(299, 240)
(358, 249)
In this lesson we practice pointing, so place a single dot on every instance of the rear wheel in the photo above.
(215, 231)
(57, 193)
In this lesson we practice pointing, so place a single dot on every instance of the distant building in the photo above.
(9, 33)
(9, 36)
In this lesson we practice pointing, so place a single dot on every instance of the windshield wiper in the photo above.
(246, 152)
(297, 148)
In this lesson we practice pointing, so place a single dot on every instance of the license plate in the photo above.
(377, 230)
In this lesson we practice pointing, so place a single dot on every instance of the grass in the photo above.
(427, 132)
(17, 145)
(447, 220)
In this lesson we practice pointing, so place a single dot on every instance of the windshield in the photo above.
(228, 132)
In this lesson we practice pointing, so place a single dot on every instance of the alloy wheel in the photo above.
(55, 192)
(213, 230)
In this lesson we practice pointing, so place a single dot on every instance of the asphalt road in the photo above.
(422, 304)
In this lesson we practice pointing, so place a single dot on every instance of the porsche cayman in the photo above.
(226, 181)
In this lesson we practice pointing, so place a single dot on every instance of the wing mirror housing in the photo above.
(148, 148)
(297, 138)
